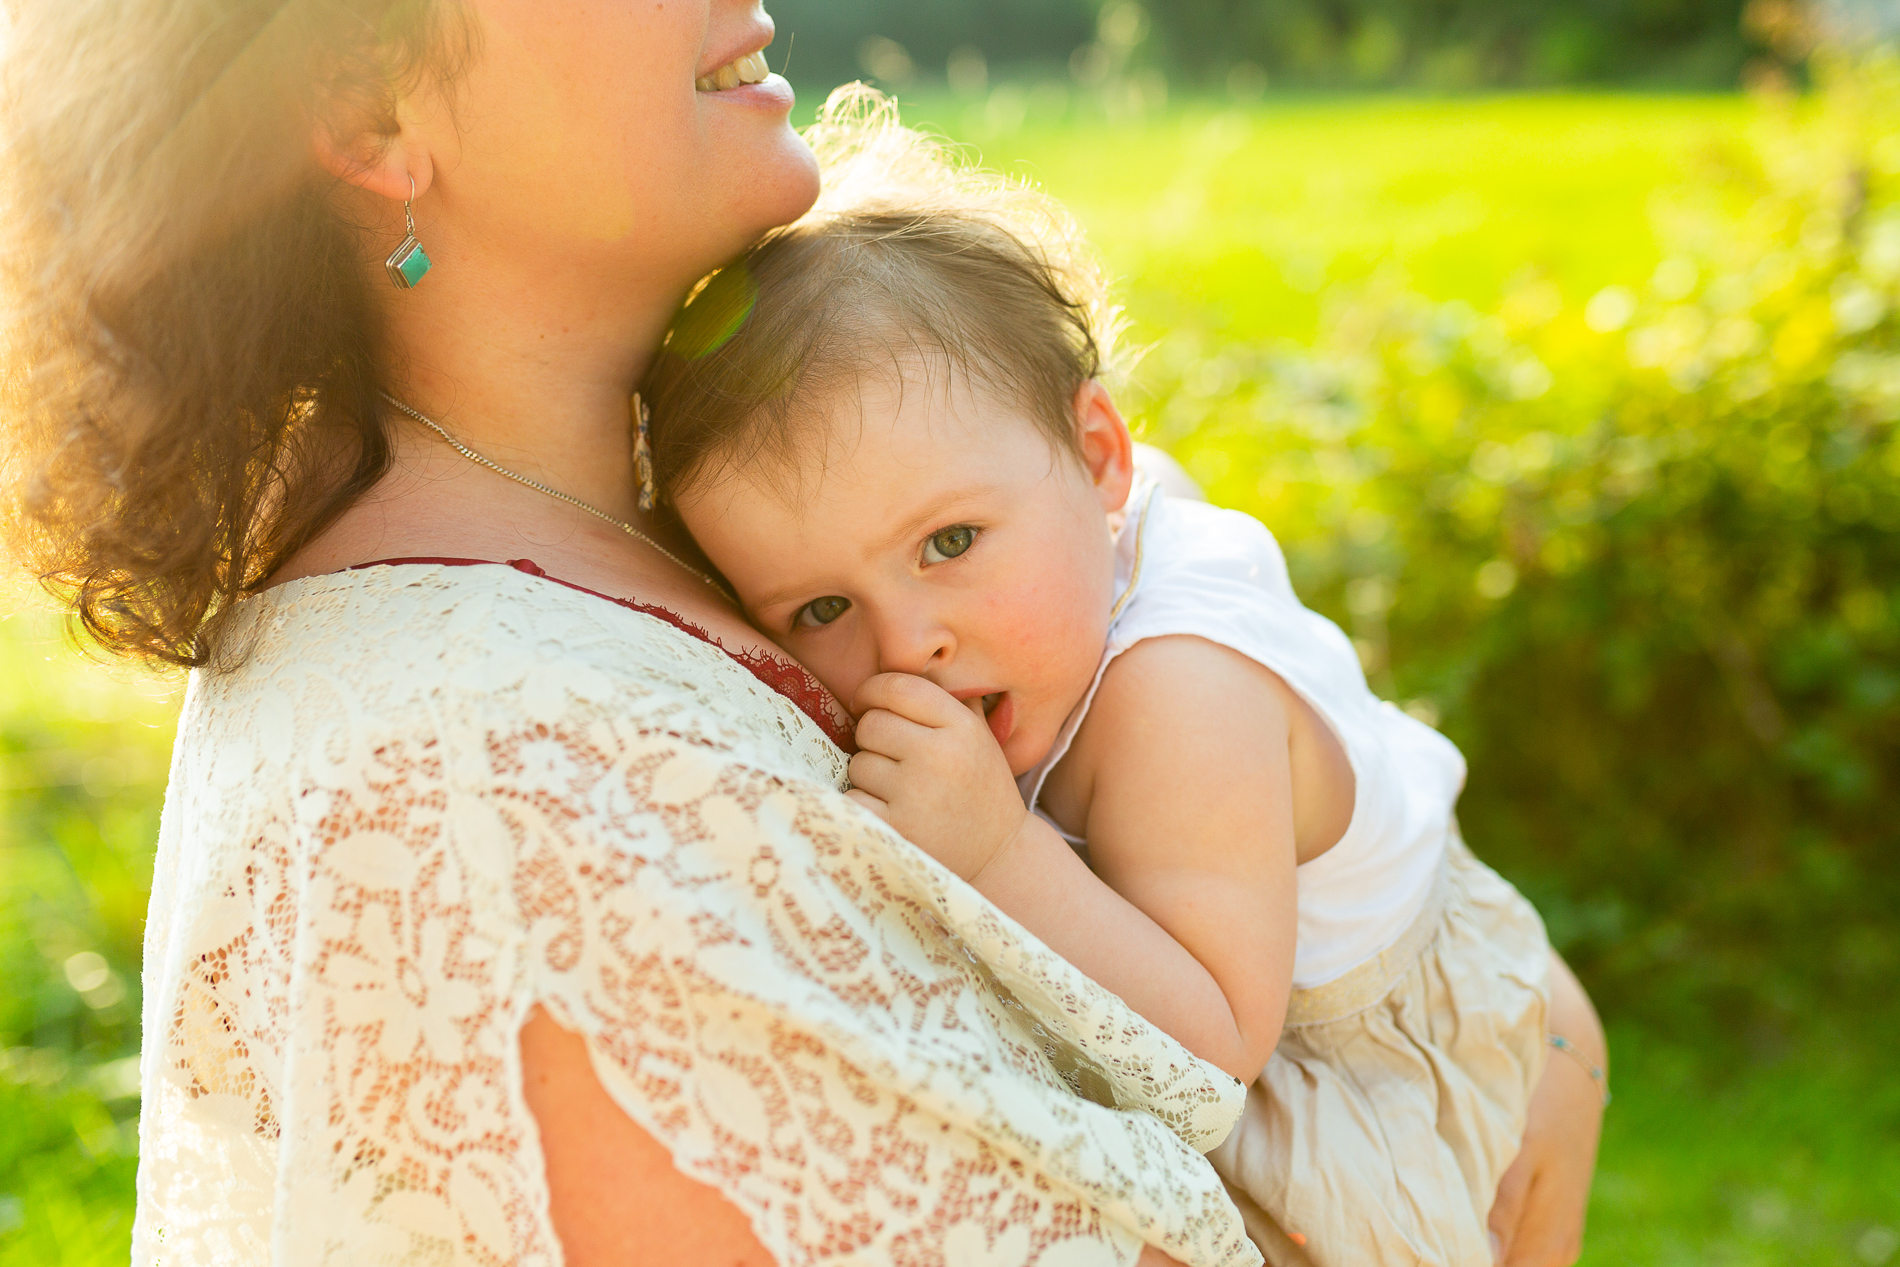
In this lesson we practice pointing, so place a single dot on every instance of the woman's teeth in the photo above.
(750, 69)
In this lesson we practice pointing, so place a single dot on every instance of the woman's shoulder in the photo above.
(447, 646)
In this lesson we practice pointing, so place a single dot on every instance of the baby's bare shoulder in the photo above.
(1159, 676)
(1170, 713)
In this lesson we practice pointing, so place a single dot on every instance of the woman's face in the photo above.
(580, 139)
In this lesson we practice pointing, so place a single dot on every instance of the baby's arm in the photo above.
(1183, 767)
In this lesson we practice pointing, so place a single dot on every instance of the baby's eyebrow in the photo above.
(935, 510)
(776, 597)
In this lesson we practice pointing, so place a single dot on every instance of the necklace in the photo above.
(557, 494)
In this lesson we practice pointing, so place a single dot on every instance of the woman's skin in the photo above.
(570, 188)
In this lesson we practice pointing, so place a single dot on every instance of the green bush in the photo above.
(824, 42)
(1453, 43)
(1639, 559)
(1441, 44)
(1294, 42)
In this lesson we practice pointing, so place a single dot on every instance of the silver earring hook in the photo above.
(408, 214)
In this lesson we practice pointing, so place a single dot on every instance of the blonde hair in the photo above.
(907, 249)
(188, 356)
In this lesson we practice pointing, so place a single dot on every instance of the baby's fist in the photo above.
(931, 768)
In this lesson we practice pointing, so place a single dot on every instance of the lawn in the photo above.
(1225, 224)
(1233, 222)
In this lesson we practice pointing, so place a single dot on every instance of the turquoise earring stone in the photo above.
(408, 264)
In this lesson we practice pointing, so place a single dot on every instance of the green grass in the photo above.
(1721, 1148)
(83, 752)
(1232, 222)
(1713, 1154)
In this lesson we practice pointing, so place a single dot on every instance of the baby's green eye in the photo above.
(822, 611)
(949, 543)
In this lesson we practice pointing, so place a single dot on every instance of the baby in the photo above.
(1104, 707)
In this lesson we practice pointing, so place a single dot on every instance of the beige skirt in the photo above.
(1396, 1099)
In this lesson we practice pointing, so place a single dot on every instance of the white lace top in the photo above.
(434, 797)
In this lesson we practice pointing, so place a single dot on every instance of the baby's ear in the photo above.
(1107, 450)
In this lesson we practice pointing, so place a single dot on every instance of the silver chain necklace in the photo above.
(556, 493)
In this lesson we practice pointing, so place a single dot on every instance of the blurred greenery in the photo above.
(1579, 414)
(1243, 47)
(83, 750)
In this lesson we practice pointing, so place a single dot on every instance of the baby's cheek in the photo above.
(842, 670)
(1054, 631)
(1059, 615)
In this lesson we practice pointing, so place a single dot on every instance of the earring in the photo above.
(408, 263)
(642, 451)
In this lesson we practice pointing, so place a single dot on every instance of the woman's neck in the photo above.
(535, 376)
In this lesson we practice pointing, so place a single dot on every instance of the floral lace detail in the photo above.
(431, 798)
(783, 674)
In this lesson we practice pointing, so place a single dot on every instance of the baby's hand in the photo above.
(930, 767)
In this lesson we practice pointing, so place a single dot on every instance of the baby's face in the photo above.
(935, 531)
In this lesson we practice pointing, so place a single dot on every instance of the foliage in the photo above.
(82, 766)
(1452, 43)
(1640, 557)
(1247, 44)
(829, 42)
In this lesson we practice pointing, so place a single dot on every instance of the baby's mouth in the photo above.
(999, 709)
(750, 69)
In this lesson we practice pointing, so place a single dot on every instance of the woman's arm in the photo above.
(1539, 1213)
(615, 1196)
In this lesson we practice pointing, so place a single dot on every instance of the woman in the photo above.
(498, 920)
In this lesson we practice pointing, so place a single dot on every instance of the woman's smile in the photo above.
(749, 69)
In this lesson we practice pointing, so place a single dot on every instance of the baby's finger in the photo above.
(872, 803)
(874, 773)
(881, 730)
(910, 696)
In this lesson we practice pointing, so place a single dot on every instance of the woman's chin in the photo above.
(781, 186)
(775, 173)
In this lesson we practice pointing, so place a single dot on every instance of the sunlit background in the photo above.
(1557, 340)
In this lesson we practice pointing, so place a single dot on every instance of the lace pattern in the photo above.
(431, 798)
(782, 674)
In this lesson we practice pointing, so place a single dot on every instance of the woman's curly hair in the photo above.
(187, 347)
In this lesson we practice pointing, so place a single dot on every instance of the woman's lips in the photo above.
(772, 93)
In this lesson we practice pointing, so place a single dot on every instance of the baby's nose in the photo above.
(917, 648)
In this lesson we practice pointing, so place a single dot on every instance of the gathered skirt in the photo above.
(1380, 1127)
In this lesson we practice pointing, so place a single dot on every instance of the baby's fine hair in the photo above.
(907, 252)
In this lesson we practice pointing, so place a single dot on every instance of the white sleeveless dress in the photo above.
(1416, 1031)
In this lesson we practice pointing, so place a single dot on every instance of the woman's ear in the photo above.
(354, 150)
(1108, 452)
